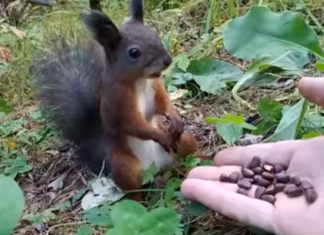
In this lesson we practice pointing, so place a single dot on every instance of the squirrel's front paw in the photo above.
(165, 142)
(176, 128)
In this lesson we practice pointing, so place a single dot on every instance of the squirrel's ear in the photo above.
(103, 29)
(137, 10)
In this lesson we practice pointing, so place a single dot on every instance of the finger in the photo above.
(212, 172)
(280, 152)
(229, 203)
(312, 89)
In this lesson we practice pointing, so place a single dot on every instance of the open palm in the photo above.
(288, 216)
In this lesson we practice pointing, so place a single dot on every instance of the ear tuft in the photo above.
(102, 28)
(137, 10)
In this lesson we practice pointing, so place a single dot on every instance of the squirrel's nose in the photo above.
(167, 61)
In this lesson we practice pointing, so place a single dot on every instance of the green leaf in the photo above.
(4, 106)
(196, 209)
(313, 121)
(183, 62)
(160, 221)
(256, 73)
(191, 161)
(230, 127)
(43, 217)
(85, 230)
(271, 113)
(230, 133)
(210, 74)
(311, 134)
(99, 216)
(16, 165)
(270, 109)
(290, 122)
(263, 33)
(11, 204)
(122, 230)
(320, 66)
(149, 173)
(127, 212)
(230, 119)
(294, 60)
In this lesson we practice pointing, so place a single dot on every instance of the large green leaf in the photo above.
(210, 74)
(85, 230)
(257, 72)
(230, 127)
(160, 221)
(11, 204)
(131, 217)
(122, 230)
(290, 122)
(127, 212)
(262, 33)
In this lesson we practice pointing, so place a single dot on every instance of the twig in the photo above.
(62, 225)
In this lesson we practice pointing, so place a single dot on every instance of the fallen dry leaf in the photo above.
(58, 183)
(103, 190)
(177, 94)
(5, 54)
(19, 33)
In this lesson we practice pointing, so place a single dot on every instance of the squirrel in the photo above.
(108, 99)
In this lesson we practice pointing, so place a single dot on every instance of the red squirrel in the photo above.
(107, 98)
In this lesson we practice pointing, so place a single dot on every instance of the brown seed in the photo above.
(242, 191)
(268, 167)
(306, 185)
(245, 184)
(279, 187)
(268, 198)
(257, 170)
(293, 191)
(279, 168)
(310, 195)
(259, 191)
(234, 177)
(268, 175)
(282, 178)
(295, 180)
(270, 190)
(261, 181)
(224, 178)
(247, 173)
(255, 162)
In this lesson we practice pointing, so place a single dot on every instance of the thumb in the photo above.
(312, 88)
(245, 209)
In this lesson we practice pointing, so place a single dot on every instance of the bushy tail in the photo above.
(67, 81)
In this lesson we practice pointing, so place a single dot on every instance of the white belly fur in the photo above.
(148, 151)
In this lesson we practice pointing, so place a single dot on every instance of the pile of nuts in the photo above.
(270, 180)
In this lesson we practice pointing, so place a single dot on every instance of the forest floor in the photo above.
(48, 171)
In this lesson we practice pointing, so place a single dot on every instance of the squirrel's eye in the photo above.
(134, 53)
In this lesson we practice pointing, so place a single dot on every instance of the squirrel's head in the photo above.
(134, 50)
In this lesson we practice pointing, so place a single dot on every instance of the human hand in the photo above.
(288, 216)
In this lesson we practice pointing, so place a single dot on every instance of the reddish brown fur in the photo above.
(187, 143)
(126, 171)
(129, 121)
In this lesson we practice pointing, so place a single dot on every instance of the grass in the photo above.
(186, 27)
